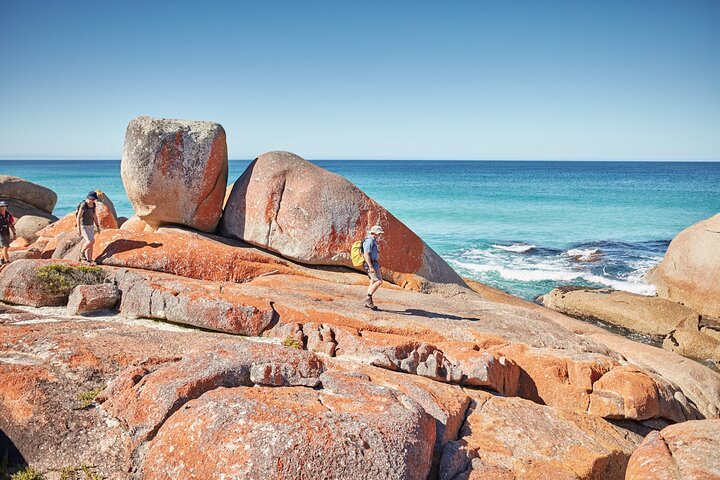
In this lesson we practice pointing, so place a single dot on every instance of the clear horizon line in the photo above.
(326, 158)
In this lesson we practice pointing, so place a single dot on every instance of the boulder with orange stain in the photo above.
(685, 451)
(207, 305)
(93, 298)
(136, 224)
(348, 429)
(447, 404)
(144, 397)
(305, 213)
(50, 369)
(509, 438)
(175, 171)
(190, 256)
(21, 285)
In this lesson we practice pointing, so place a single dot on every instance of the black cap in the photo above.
(92, 196)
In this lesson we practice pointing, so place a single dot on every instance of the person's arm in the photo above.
(12, 226)
(95, 219)
(78, 218)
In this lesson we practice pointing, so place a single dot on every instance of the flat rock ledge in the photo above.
(679, 328)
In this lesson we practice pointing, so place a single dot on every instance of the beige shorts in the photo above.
(373, 273)
(88, 232)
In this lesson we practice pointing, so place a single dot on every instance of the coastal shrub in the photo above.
(62, 279)
(82, 472)
(87, 398)
(27, 473)
(292, 343)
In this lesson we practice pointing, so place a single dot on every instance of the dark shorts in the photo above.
(373, 273)
(5, 241)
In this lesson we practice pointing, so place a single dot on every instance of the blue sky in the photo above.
(371, 79)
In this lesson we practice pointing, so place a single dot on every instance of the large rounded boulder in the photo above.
(175, 171)
(690, 271)
(26, 194)
(288, 205)
(28, 226)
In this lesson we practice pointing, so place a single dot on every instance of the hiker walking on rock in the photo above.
(372, 265)
(7, 225)
(86, 221)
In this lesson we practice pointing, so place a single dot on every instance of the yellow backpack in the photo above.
(356, 254)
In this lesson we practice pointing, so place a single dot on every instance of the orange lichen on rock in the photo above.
(191, 257)
(685, 451)
(305, 213)
(20, 395)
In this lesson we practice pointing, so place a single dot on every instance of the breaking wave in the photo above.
(616, 265)
(515, 247)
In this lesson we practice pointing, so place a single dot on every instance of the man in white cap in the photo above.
(372, 265)
(7, 226)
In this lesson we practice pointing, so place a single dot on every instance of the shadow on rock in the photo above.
(415, 312)
(10, 456)
(120, 246)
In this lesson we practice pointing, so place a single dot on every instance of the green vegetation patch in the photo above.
(27, 473)
(82, 472)
(292, 343)
(61, 278)
(86, 399)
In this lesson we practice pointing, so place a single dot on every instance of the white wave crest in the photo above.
(583, 254)
(515, 247)
(539, 275)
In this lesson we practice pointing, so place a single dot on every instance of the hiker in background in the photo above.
(372, 265)
(7, 225)
(86, 221)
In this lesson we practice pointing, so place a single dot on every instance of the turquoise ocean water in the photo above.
(525, 227)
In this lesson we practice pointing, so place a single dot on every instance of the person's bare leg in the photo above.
(84, 248)
(6, 257)
(89, 250)
(373, 287)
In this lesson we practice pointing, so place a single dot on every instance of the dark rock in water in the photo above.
(585, 255)
(24, 192)
(175, 171)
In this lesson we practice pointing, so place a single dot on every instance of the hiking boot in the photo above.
(369, 303)
(83, 258)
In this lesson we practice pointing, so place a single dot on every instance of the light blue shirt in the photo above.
(370, 246)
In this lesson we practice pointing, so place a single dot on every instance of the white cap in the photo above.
(377, 229)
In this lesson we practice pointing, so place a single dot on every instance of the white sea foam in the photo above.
(583, 254)
(557, 275)
(578, 252)
(515, 247)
